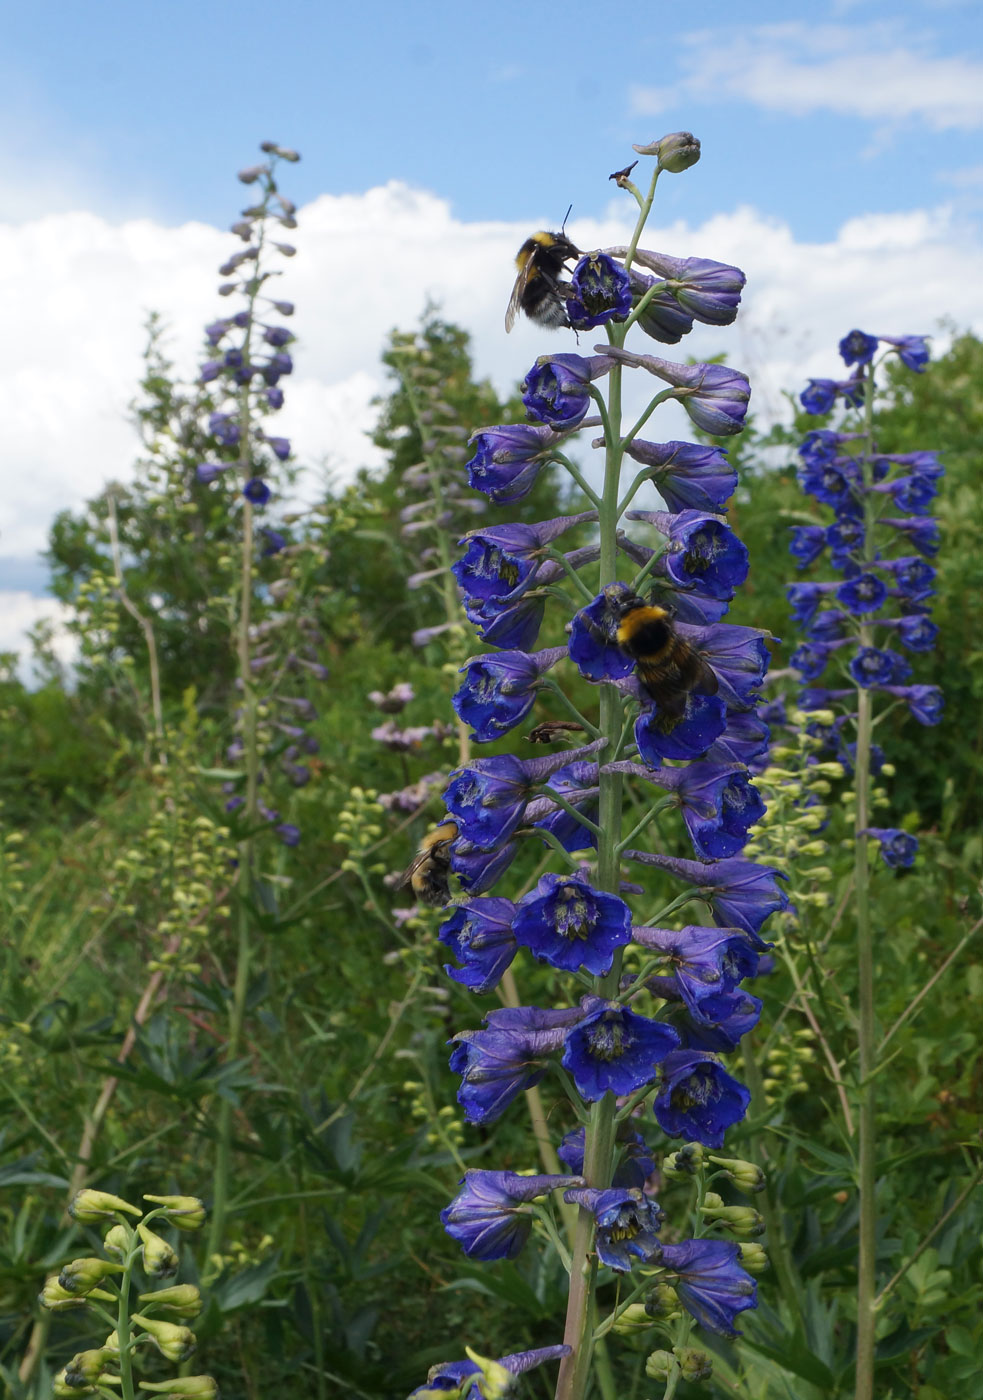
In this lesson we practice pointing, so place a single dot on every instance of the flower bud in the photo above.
(712, 1201)
(182, 1299)
(658, 1365)
(60, 1387)
(116, 1241)
(676, 152)
(174, 1342)
(695, 1365)
(92, 1207)
(58, 1299)
(634, 1318)
(740, 1220)
(745, 1175)
(81, 1275)
(184, 1387)
(184, 1212)
(686, 1161)
(662, 1302)
(84, 1368)
(111, 1344)
(159, 1259)
(753, 1258)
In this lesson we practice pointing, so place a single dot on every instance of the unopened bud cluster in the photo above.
(178, 868)
(164, 1313)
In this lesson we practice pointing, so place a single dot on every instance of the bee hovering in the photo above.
(428, 872)
(667, 667)
(539, 290)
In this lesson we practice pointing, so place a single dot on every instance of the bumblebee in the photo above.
(667, 667)
(539, 290)
(428, 872)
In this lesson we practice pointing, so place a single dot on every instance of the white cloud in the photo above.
(76, 288)
(867, 71)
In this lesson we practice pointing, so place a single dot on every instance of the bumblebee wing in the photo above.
(515, 300)
(419, 860)
(706, 683)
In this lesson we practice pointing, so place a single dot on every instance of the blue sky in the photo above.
(503, 110)
(842, 170)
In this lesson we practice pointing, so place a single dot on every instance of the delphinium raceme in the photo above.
(249, 361)
(103, 1288)
(647, 1009)
(864, 630)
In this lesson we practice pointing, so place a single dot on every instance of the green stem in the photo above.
(123, 1329)
(575, 1369)
(867, 1033)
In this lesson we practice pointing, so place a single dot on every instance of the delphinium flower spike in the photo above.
(646, 1013)
(864, 639)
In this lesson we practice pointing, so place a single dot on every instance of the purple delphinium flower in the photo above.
(808, 542)
(566, 922)
(257, 491)
(593, 648)
(898, 848)
(451, 1375)
(858, 348)
(479, 934)
(508, 459)
(922, 535)
(912, 350)
(698, 1099)
(487, 1218)
(745, 739)
(925, 702)
(500, 561)
(207, 472)
(614, 1050)
(478, 870)
(873, 666)
(577, 782)
(628, 1223)
(488, 796)
(710, 1283)
(636, 1163)
(702, 552)
(740, 893)
(863, 594)
(912, 577)
(702, 961)
(556, 391)
(714, 396)
(509, 1055)
(719, 804)
(917, 632)
(709, 291)
(738, 657)
(718, 1022)
(690, 736)
(499, 690)
(687, 475)
(601, 291)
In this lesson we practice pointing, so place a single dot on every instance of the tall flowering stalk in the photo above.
(250, 359)
(673, 732)
(880, 542)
